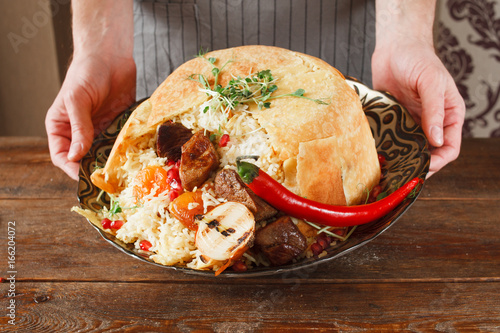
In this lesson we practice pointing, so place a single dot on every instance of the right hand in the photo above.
(96, 89)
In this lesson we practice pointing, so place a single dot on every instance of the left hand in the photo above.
(411, 71)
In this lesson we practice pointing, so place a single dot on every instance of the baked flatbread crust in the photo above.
(331, 146)
(135, 132)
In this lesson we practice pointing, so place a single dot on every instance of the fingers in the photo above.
(79, 107)
(419, 80)
(443, 112)
(69, 129)
(432, 94)
(453, 122)
(91, 86)
(442, 156)
(59, 137)
(60, 160)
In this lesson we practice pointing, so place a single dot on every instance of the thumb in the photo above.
(432, 94)
(82, 129)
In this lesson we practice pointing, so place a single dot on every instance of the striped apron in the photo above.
(171, 32)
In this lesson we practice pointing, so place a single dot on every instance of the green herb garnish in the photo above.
(414, 192)
(327, 230)
(115, 207)
(382, 195)
(300, 93)
(96, 163)
(256, 87)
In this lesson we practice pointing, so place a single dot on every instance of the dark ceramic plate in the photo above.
(398, 138)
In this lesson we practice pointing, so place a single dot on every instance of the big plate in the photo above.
(398, 138)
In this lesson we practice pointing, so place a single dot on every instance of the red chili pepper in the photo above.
(338, 216)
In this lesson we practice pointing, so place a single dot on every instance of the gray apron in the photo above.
(171, 32)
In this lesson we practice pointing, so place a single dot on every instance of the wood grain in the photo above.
(475, 175)
(160, 307)
(436, 269)
(27, 172)
(55, 244)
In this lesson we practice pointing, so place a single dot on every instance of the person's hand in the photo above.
(100, 82)
(415, 76)
(405, 64)
(96, 89)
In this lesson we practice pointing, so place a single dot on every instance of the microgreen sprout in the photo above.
(256, 87)
(300, 93)
(413, 194)
(115, 208)
(96, 162)
(382, 195)
(327, 231)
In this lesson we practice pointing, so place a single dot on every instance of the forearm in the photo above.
(404, 19)
(104, 27)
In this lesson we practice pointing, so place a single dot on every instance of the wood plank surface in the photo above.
(215, 307)
(436, 269)
(27, 172)
(474, 175)
(54, 243)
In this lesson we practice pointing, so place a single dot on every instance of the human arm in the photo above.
(405, 64)
(100, 81)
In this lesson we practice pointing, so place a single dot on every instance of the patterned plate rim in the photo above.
(370, 99)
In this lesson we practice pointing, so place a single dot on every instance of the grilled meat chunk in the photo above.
(229, 185)
(171, 136)
(199, 158)
(280, 241)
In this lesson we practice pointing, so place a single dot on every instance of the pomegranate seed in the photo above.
(339, 232)
(170, 163)
(176, 184)
(178, 163)
(117, 224)
(381, 160)
(173, 194)
(316, 249)
(173, 173)
(374, 193)
(106, 223)
(224, 140)
(239, 266)
(145, 245)
(324, 241)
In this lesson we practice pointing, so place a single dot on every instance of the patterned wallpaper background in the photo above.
(467, 39)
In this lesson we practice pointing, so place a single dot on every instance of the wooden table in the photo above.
(436, 269)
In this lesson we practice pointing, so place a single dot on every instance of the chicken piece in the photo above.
(228, 184)
(199, 158)
(171, 136)
(280, 241)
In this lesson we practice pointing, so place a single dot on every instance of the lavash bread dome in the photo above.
(328, 151)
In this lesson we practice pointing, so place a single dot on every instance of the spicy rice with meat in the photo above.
(143, 185)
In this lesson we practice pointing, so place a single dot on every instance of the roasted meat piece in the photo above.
(199, 158)
(171, 136)
(280, 241)
(230, 186)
